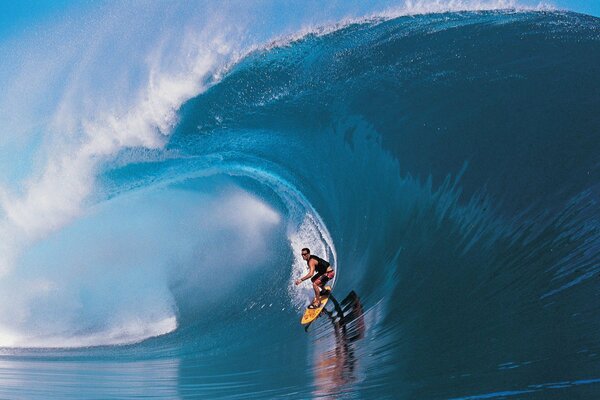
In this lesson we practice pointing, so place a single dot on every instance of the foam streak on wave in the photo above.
(81, 138)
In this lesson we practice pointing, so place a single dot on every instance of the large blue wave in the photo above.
(447, 164)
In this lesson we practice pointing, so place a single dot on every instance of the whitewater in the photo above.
(162, 167)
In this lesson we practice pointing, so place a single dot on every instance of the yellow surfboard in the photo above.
(312, 313)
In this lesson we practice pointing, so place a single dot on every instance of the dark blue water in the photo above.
(447, 164)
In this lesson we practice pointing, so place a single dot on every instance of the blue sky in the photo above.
(18, 15)
(15, 15)
(591, 7)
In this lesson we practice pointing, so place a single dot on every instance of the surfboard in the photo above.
(312, 313)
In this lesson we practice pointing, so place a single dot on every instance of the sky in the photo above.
(18, 15)
(15, 15)
(591, 7)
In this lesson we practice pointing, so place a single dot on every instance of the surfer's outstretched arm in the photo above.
(311, 264)
(311, 272)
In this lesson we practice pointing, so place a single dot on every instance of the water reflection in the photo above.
(76, 379)
(336, 369)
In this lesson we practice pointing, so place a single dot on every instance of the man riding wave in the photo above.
(320, 271)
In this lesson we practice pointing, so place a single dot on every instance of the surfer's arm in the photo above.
(311, 272)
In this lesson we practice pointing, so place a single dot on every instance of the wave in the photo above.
(119, 95)
(446, 163)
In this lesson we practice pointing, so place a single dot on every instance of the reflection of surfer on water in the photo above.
(337, 367)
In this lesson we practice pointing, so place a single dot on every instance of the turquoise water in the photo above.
(447, 164)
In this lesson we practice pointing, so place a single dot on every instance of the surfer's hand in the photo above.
(298, 281)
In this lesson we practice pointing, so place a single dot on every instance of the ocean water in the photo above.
(157, 188)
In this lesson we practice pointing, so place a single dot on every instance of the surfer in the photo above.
(322, 272)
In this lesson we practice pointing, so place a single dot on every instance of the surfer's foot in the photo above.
(315, 304)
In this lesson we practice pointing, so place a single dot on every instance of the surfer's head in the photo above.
(305, 253)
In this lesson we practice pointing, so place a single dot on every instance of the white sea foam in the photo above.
(97, 112)
(100, 281)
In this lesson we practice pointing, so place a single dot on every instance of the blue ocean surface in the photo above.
(155, 199)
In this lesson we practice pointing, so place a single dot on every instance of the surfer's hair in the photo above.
(306, 249)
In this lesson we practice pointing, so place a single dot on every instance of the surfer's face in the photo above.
(305, 255)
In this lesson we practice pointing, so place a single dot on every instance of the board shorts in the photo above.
(322, 279)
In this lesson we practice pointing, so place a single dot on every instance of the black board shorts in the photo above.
(322, 279)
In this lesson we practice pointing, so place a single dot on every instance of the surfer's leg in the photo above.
(323, 279)
(317, 289)
(317, 286)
